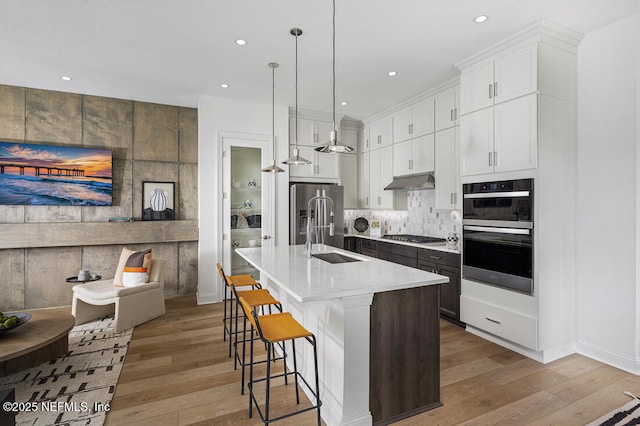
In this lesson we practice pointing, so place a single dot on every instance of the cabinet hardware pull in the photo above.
(492, 320)
(451, 198)
(495, 89)
(490, 91)
(495, 158)
(410, 164)
(379, 139)
(452, 119)
(490, 162)
(455, 114)
(434, 257)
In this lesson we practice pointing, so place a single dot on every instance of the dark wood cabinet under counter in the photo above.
(369, 247)
(447, 264)
(398, 253)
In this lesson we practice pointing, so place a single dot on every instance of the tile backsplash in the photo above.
(420, 218)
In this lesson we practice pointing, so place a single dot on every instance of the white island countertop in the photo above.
(311, 279)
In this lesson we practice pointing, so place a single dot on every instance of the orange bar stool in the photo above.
(238, 281)
(272, 329)
(260, 298)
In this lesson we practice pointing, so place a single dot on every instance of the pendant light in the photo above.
(296, 159)
(273, 168)
(333, 146)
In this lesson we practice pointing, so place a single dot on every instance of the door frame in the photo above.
(245, 140)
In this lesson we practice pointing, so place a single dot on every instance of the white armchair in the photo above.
(131, 306)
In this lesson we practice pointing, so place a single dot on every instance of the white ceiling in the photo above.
(171, 52)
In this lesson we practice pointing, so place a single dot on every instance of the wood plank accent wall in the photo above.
(31, 235)
(42, 245)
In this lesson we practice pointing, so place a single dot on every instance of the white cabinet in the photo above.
(447, 196)
(413, 121)
(349, 179)
(414, 156)
(310, 132)
(381, 132)
(381, 175)
(510, 75)
(446, 109)
(323, 166)
(363, 146)
(364, 187)
(526, 127)
(499, 139)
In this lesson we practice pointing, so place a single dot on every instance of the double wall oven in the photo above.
(497, 234)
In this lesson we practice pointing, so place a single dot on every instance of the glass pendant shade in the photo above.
(273, 168)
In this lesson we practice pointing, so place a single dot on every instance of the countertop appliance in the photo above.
(299, 196)
(497, 234)
(421, 239)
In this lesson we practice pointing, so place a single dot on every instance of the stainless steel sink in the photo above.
(335, 257)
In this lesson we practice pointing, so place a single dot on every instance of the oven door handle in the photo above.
(498, 194)
(499, 223)
(497, 230)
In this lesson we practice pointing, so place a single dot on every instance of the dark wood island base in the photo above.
(404, 376)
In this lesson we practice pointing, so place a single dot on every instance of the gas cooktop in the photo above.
(414, 238)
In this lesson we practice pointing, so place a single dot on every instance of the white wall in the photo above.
(607, 194)
(223, 116)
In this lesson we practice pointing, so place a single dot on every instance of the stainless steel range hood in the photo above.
(413, 182)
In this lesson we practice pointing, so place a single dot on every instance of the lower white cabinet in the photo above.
(447, 195)
(514, 326)
(414, 156)
(323, 166)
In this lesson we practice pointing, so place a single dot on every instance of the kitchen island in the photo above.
(377, 325)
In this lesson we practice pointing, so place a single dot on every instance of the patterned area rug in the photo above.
(628, 414)
(77, 388)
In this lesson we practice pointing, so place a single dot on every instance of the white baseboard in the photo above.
(607, 356)
(205, 299)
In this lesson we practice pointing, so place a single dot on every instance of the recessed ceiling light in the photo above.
(66, 78)
(343, 103)
(480, 19)
(224, 85)
(241, 42)
(392, 73)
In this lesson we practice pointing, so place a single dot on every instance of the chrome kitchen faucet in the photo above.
(320, 202)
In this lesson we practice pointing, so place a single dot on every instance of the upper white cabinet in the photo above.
(363, 146)
(323, 166)
(381, 175)
(447, 196)
(364, 186)
(413, 121)
(500, 139)
(381, 132)
(349, 179)
(414, 156)
(447, 111)
(514, 73)
(310, 132)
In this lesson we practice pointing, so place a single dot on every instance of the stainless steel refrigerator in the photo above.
(299, 196)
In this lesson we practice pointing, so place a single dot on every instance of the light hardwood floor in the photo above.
(177, 372)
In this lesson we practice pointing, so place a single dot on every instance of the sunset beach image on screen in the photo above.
(54, 175)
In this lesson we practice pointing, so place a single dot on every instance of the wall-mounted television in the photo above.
(53, 175)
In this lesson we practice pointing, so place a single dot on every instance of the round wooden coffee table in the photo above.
(43, 338)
